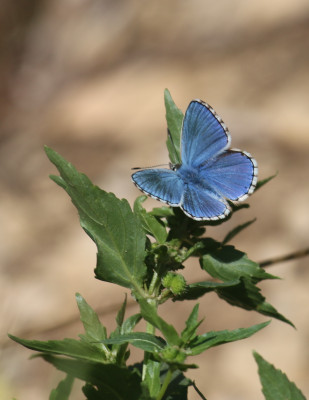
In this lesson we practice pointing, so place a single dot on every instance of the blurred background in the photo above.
(86, 77)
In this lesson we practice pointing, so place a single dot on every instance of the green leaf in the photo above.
(68, 347)
(94, 330)
(111, 381)
(174, 118)
(236, 231)
(192, 324)
(235, 207)
(130, 323)
(211, 339)
(246, 295)
(149, 313)
(63, 390)
(123, 327)
(109, 222)
(142, 340)
(121, 313)
(150, 223)
(152, 378)
(264, 181)
(275, 384)
(162, 212)
(198, 289)
(228, 264)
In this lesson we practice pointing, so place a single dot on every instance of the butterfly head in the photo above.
(174, 167)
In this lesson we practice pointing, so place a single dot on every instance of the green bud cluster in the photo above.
(176, 283)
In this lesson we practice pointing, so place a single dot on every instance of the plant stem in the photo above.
(292, 256)
(149, 329)
(153, 283)
(165, 384)
(198, 391)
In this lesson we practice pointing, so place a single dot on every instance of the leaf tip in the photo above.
(167, 92)
(78, 297)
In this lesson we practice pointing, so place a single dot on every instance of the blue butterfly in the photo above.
(210, 173)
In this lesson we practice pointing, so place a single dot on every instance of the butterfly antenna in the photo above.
(153, 166)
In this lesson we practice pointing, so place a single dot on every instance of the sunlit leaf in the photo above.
(275, 384)
(109, 222)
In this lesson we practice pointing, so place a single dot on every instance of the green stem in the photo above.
(165, 384)
(194, 247)
(153, 283)
(149, 329)
(165, 295)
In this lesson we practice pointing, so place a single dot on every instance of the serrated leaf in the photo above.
(67, 347)
(149, 313)
(94, 330)
(109, 222)
(63, 390)
(275, 384)
(228, 264)
(236, 231)
(246, 295)
(211, 339)
(142, 340)
(174, 118)
(264, 181)
(108, 379)
(149, 222)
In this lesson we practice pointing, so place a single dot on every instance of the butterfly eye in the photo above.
(174, 167)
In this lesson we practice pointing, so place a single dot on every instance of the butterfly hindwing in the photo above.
(162, 184)
(232, 173)
(203, 204)
(204, 134)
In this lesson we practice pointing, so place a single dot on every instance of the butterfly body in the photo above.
(189, 175)
(210, 172)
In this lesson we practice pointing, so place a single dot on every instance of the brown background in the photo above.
(87, 77)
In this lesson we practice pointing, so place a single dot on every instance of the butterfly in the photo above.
(209, 174)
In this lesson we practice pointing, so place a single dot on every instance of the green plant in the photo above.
(145, 252)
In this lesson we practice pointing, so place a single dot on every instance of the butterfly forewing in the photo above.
(162, 184)
(204, 134)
